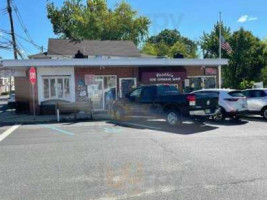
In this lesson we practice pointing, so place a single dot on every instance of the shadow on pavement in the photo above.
(183, 129)
(255, 118)
(227, 122)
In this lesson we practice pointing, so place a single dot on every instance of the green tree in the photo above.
(247, 59)
(94, 21)
(209, 42)
(170, 43)
(264, 76)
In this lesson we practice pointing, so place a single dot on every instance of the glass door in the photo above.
(126, 85)
(95, 93)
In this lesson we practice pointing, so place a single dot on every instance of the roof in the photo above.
(41, 55)
(112, 62)
(117, 48)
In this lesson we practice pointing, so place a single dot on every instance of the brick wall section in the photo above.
(23, 95)
(121, 72)
(195, 71)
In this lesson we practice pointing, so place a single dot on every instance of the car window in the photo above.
(148, 93)
(163, 89)
(136, 93)
(246, 93)
(257, 94)
(236, 94)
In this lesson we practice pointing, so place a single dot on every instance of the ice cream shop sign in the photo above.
(153, 77)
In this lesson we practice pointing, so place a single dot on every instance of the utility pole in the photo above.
(9, 10)
(220, 51)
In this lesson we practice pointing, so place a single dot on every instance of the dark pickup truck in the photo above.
(165, 101)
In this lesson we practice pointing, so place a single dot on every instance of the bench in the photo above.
(49, 106)
(74, 108)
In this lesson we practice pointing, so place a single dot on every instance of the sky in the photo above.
(190, 17)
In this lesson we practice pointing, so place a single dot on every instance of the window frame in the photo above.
(56, 78)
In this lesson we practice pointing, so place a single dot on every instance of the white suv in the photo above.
(232, 103)
(257, 101)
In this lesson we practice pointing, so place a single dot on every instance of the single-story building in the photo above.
(103, 70)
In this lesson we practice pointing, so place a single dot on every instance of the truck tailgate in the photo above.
(204, 101)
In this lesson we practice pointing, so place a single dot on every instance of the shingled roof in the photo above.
(93, 48)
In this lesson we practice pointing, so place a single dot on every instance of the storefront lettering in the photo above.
(162, 77)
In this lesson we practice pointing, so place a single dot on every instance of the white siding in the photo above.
(55, 71)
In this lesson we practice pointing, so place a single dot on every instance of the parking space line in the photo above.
(8, 132)
(58, 130)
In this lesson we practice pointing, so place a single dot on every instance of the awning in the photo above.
(112, 62)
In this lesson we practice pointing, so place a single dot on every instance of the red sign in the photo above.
(32, 75)
(210, 71)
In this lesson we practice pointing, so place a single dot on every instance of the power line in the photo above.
(23, 38)
(22, 24)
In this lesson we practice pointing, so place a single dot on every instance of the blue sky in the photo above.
(190, 17)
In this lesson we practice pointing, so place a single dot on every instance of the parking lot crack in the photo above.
(172, 153)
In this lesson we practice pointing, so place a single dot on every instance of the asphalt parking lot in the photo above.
(104, 160)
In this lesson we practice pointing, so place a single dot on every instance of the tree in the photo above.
(247, 59)
(170, 43)
(264, 76)
(209, 42)
(95, 21)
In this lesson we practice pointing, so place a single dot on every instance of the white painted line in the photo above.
(8, 132)
(140, 125)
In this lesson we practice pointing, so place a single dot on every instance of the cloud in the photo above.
(246, 18)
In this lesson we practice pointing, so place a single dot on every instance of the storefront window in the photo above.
(201, 82)
(52, 88)
(56, 87)
(102, 91)
(46, 88)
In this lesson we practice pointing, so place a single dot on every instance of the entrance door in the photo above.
(96, 94)
(103, 91)
(126, 85)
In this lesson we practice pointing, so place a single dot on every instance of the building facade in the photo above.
(102, 71)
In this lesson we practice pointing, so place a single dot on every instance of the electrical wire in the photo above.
(23, 26)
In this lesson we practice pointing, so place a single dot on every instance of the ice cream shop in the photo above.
(101, 71)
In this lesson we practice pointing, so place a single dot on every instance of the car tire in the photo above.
(264, 113)
(117, 114)
(219, 115)
(173, 117)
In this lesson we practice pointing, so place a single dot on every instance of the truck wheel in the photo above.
(117, 114)
(173, 117)
(219, 115)
(264, 113)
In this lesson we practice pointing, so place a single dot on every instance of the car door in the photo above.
(255, 99)
(132, 104)
(146, 105)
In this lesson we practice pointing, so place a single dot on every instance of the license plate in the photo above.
(207, 111)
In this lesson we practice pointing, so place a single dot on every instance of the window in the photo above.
(136, 93)
(200, 82)
(56, 87)
(164, 89)
(236, 94)
(255, 93)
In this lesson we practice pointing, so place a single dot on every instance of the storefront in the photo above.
(104, 80)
